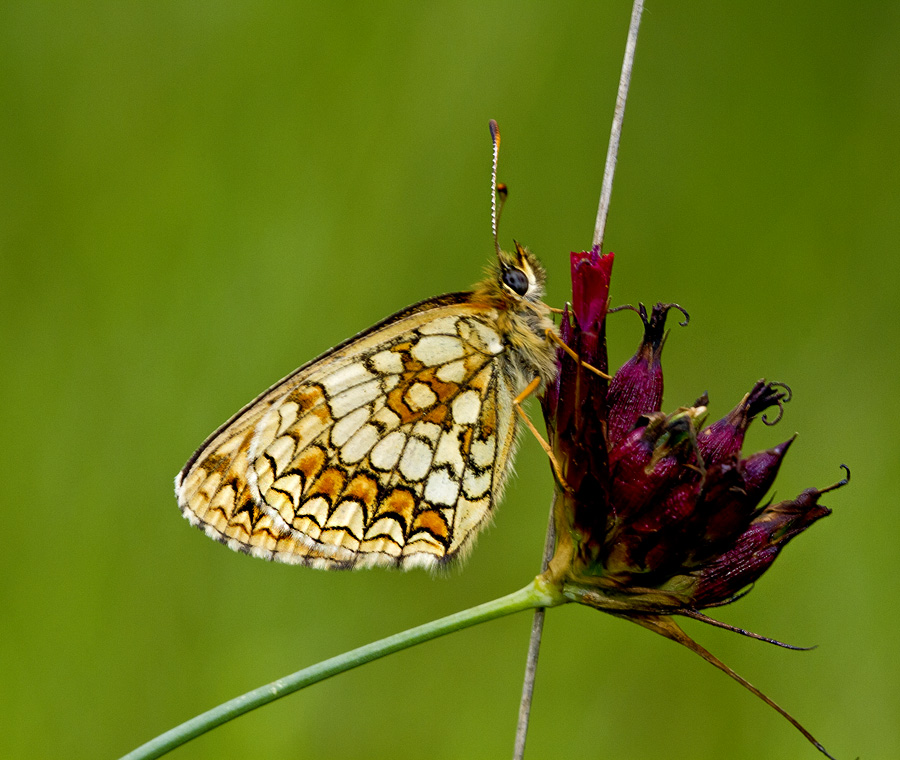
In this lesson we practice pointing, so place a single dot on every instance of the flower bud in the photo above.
(761, 468)
(637, 388)
(591, 274)
(756, 548)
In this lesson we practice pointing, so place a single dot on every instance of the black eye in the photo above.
(515, 280)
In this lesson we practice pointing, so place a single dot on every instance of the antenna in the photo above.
(495, 189)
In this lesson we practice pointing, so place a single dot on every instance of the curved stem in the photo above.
(535, 594)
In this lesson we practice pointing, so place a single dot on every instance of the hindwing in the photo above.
(390, 449)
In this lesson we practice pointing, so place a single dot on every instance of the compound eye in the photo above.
(515, 280)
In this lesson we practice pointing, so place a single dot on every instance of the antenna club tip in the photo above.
(495, 132)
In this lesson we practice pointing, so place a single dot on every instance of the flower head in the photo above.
(659, 514)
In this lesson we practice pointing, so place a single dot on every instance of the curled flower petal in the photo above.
(723, 439)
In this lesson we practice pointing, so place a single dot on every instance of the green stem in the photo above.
(535, 594)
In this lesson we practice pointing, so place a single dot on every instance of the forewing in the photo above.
(389, 449)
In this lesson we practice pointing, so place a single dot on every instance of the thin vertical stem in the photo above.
(616, 131)
(537, 626)
(534, 644)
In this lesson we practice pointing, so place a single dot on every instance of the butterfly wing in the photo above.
(390, 449)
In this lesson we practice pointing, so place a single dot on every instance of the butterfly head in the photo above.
(520, 275)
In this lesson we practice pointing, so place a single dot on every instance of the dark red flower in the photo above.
(658, 515)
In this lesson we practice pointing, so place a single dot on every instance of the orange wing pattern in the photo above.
(390, 449)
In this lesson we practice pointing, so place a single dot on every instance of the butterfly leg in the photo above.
(517, 403)
(559, 341)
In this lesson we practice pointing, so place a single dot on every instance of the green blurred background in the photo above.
(198, 197)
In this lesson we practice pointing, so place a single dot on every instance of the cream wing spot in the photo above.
(437, 349)
(307, 429)
(476, 486)
(287, 412)
(353, 398)
(280, 503)
(387, 363)
(419, 396)
(265, 431)
(387, 451)
(466, 407)
(454, 372)
(316, 508)
(264, 474)
(427, 430)
(347, 426)
(199, 503)
(420, 544)
(387, 418)
(416, 460)
(223, 501)
(482, 452)
(359, 444)
(346, 377)
(440, 326)
(307, 527)
(441, 488)
(386, 526)
(281, 450)
(289, 485)
(264, 542)
(231, 447)
(208, 487)
(449, 450)
(339, 542)
(194, 480)
(348, 515)
(469, 515)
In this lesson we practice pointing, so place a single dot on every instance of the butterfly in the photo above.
(392, 448)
